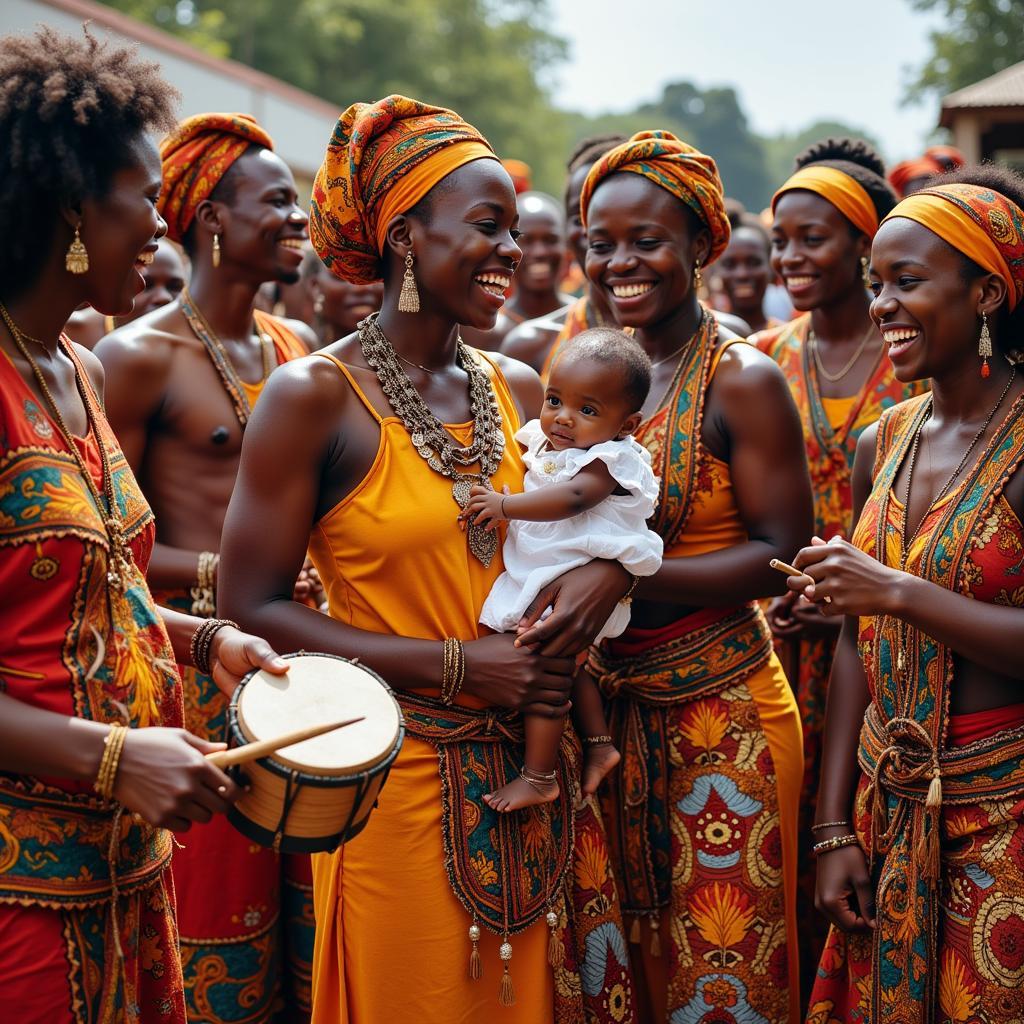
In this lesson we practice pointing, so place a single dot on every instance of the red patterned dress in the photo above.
(939, 806)
(832, 427)
(70, 646)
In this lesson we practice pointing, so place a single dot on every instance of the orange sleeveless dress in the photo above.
(391, 938)
(702, 815)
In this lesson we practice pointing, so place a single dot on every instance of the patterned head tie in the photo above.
(196, 155)
(383, 158)
(688, 174)
(979, 222)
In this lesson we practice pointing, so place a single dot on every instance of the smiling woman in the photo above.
(923, 775)
(702, 818)
(364, 454)
(94, 767)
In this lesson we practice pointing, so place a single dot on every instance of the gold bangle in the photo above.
(835, 843)
(106, 775)
(204, 593)
(453, 669)
(627, 597)
(596, 741)
(829, 824)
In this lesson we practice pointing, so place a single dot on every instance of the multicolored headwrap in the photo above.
(845, 193)
(982, 224)
(383, 158)
(196, 155)
(907, 170)
(677, 167)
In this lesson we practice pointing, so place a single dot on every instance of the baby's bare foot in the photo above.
(598, 760)
(519, 793)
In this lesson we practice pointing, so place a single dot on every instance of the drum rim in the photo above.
(285, 768)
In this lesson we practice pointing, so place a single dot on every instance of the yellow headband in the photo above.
(412, 187)
(846, 194)
(958, 214)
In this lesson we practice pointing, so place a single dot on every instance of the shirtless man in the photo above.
(181, 382)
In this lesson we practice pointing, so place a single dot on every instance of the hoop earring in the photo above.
(409, 296)
(698, 280)
(864, 275)
(215, 254)
(984, 346)
(76, 259)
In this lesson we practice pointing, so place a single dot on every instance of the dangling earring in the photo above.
(864, 275)
(984, 346)
(318, 304)
(409, 296)
(215, 255)
(698, 280)
(76, 259)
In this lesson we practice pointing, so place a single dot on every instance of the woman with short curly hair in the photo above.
(94, 767)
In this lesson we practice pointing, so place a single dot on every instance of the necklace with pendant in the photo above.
(431, 440)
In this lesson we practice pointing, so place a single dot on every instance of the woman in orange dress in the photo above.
(921, 806)
(94, 765)
(834, 361)
(702, 813)
(442, 909)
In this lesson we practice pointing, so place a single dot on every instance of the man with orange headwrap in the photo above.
(180, 385)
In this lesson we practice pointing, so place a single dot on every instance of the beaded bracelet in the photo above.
(596, 741)
(835, 843)
(829, 824)
(106, 774)
(202, 641)
(453, 669)
(627, 597)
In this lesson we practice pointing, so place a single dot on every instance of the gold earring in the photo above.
(76, 259)
(215, 255)
(318, 303)
(985, 346)
(698, 280)
(409, 296)
(864, 275)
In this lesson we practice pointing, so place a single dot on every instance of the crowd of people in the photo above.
(537, 463)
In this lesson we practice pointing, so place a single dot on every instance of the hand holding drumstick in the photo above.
(841, 579)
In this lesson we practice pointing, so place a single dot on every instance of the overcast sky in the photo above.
(791, 62)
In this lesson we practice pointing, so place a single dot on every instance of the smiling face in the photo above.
(121, 232)
(814, 250)
(929, 315)
(343, 304)
(543, 245)
(263, 228)
(744, 270)
(585, 403)
(464, 245)
(642, 246)
(164, 277)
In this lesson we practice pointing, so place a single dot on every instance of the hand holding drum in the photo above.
(311, 786)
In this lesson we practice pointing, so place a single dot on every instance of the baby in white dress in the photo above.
(588, 492)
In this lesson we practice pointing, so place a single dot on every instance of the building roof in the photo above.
(1003, 89)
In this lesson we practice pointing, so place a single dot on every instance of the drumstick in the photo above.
(252, 751)
(777, 563)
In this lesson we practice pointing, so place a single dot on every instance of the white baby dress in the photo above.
(616, 528)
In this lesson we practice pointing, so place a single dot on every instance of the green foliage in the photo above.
(486, 60)
(981, 38)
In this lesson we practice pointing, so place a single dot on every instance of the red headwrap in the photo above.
(903, 173)
(196, 155)
(677, 167)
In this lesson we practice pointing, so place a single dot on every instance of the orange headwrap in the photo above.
(948, 156)
(383, 158)
(846, 194)
(906, 171)
(196, 155)
(677, 167)
(520, 173)
(982, 224)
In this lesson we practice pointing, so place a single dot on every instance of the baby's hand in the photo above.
(484, 508)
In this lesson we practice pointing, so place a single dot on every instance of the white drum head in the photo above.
(319, 689)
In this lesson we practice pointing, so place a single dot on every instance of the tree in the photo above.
(983, 37)
(487, 60)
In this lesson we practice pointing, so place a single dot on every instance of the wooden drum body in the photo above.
(315, 795)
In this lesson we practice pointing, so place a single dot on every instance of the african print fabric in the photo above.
(941, 824)
(71, 646)
(808, 661)
(508, 870)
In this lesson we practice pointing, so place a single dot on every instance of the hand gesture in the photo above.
(843, 892)
(234, 654)
(484, 508)
(842, 580)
